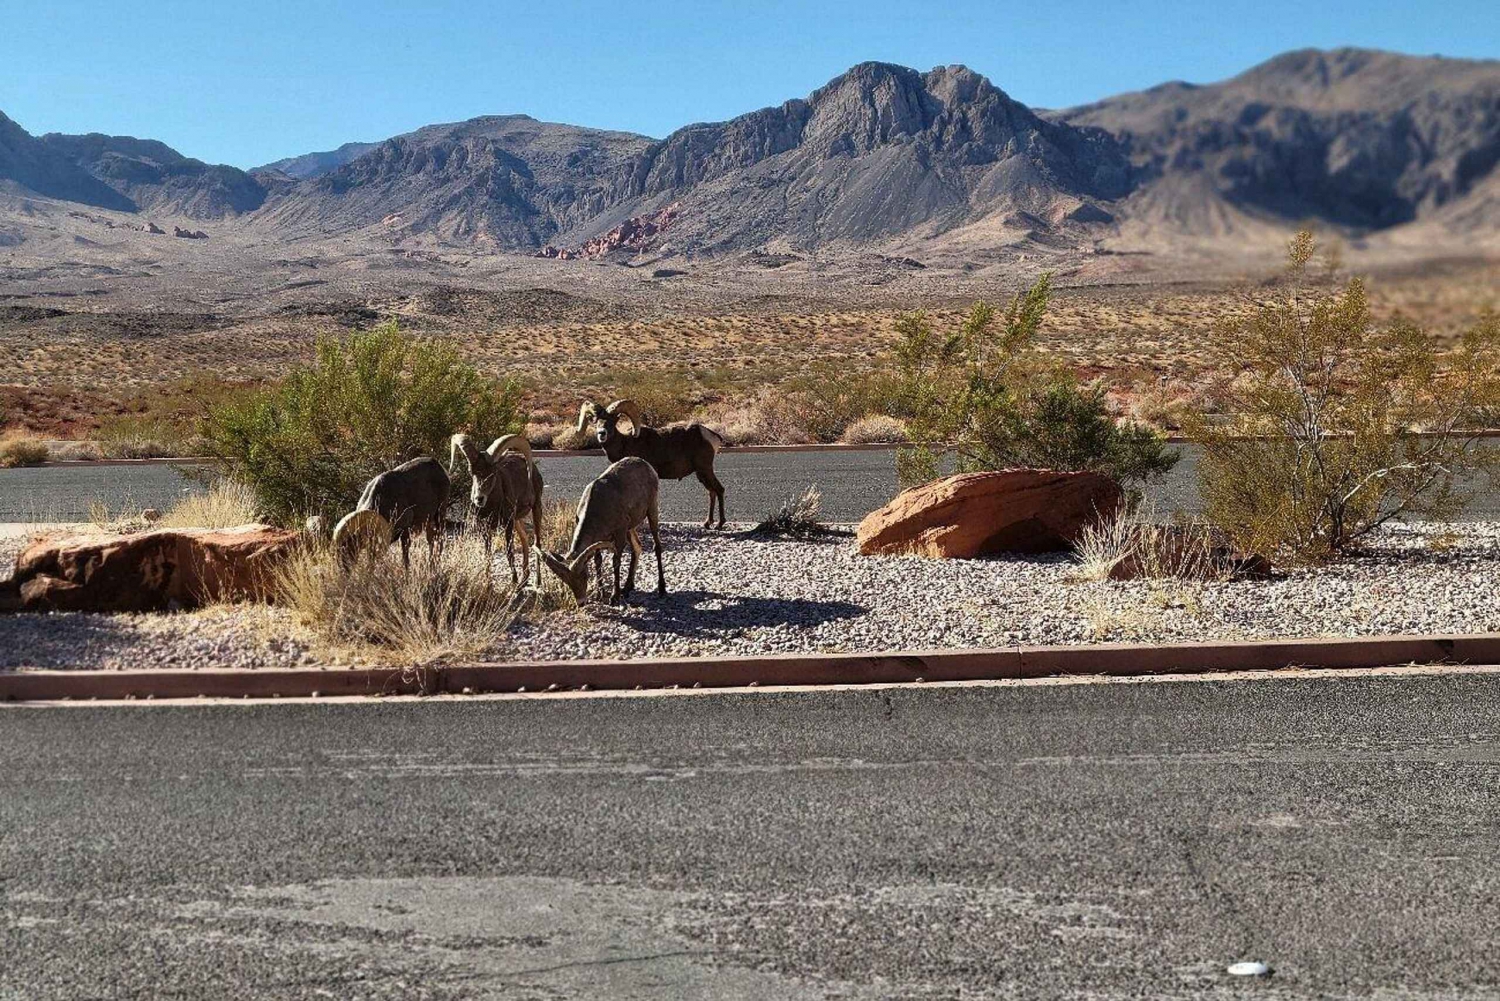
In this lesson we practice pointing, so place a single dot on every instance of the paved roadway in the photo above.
(852, 483)
(1087, 841)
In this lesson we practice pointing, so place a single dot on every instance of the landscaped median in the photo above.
(1013, 663)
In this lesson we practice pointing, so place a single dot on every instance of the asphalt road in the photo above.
(1094, 841)
(852, 484)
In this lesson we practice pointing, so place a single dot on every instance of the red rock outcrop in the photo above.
(152, 571)
(979, 514)
(632, 235)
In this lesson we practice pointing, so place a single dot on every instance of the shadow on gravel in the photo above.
(697, 613)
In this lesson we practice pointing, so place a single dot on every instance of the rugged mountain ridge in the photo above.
(307, 165)
(881, 156)
(1353, 137)
(877, 152)
(157, 178)
(31, 165)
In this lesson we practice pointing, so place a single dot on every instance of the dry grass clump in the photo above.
(798, 517)
(559, 516)
(442, 609)
(227, 504)
(1133, 544)
(123, 520)
(875, 429)
(74, 451)
(18, 450)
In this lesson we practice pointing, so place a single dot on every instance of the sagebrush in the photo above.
(1336, 425)
(365, 405)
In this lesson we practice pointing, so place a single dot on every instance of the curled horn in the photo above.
(360, 530)
(590, 411)
(511, 443)
(582, 558)
(462, 443)
(629, 409)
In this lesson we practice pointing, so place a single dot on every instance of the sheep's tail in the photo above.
(715, 440)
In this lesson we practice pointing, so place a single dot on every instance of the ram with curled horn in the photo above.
(674, 451)
(411, 497)
(505, 487)
(610, 513)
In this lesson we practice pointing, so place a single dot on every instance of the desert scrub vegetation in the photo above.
(366, 403)
(1134, 543)
(19, 450)
(1317, 449)
(798, 517)
(985, 393)
(227, 503)
(441, 609)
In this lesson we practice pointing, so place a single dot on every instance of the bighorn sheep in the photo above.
(674, 451)
(609, 513)
(414, 495)
(506, 488)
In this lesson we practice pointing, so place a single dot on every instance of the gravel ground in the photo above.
(732, 594)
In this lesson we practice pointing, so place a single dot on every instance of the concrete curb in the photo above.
(1013, 663)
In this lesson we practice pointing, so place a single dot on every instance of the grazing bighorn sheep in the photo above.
(414, 495)
(609, 513)
(674, 451)
(506, 487)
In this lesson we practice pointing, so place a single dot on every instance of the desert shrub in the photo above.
(822, 403)
(664, 395)
(540, 435)
(440, 610)
(226, 504)
(75, 451)
(798, 517)
(366, 404)
(569, 437)
(875, 429)
(1317, 450)
(984, 393)
(146, 437)
(18, 450)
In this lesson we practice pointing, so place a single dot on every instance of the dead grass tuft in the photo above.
(227, 504)
(18, 450)
(442, 609)
(874, 429)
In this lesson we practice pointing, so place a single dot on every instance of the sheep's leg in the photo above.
(406, 549)
(652, 519)
(526, 557)
(599, 571)
(510, 547)
(715, 493)
(635, 557)
(614, 595)
(536, 538)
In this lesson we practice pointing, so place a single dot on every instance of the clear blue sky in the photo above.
(249, 82)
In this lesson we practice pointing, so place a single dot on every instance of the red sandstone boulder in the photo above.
(152, 571)
(977, 514)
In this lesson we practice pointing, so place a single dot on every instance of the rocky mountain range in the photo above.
(882, 156)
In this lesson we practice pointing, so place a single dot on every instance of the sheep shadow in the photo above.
(709, 613)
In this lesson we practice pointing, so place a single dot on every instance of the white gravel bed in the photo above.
(732, 594)
(746, 596)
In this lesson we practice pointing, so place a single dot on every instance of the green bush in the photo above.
(983, 393)
(1318, 450)
(366, 404)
